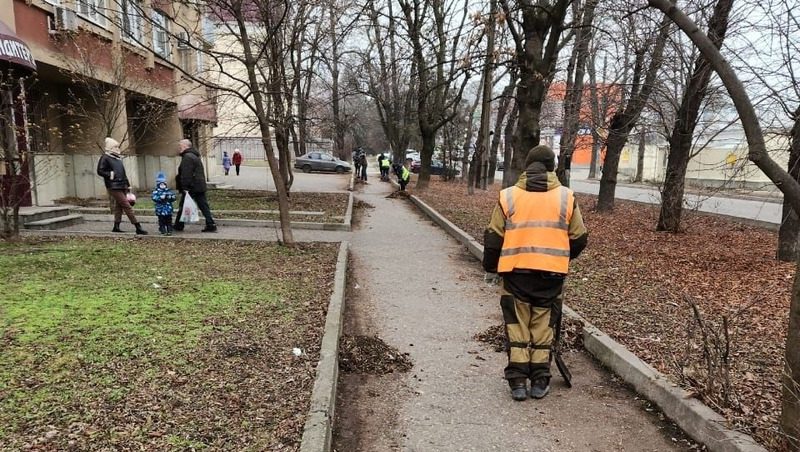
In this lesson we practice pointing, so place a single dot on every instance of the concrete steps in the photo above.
(48, 218)
(54, 223)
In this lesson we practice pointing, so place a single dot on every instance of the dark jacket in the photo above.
(109, 163)
(191, 174)
(531, 286)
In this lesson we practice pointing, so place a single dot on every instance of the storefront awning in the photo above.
(14, 51)
(192, 106)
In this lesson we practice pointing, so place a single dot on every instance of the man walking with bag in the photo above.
(535, 230)
(191, 179)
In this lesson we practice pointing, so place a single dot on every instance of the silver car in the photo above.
(320, 161)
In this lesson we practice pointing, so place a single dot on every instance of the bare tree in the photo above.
(624, 120)
(536, 28)
(680, 141)
(503, 115)
(435, 29)
(391, 82)
(790, 416)
(120, 101)
(15, 156)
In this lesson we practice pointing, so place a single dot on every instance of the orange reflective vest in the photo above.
(536, 230)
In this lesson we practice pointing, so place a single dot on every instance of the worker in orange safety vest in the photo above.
(535, 230)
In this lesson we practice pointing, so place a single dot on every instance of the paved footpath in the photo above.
(425, 296)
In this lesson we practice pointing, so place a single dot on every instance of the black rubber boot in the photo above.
(519, 389)
(540, 387)
(116, 227)
(139, 230)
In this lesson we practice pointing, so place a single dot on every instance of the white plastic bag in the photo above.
(190, 213)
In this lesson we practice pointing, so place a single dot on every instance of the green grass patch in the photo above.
(90, 327)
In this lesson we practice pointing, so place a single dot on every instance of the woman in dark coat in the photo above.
(111, 169)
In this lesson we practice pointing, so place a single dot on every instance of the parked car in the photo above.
(320, 161)
(437, 167)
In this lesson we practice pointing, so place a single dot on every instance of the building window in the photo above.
(132, 21)
(93, 11)
(161, 34)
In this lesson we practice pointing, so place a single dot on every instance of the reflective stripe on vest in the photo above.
(536, 229)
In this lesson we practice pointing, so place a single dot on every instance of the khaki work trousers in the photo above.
(529, 330)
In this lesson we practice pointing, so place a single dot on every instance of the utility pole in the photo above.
(486, 105)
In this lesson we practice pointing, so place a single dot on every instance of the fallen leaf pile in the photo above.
(638, 285)
(371, 355)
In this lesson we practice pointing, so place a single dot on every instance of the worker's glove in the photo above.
(491, 279)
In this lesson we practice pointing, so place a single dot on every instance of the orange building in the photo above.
(553, 117)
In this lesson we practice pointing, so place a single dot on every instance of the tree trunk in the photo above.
(790, 223)
(466, 168)
(426, 156)
(608, 180)
(574, 93)
(338, 123)
(790, 416)
(537, 55)
(640, 156)
(486, 104)
(680, 141)
(509, 175)
(502, 112)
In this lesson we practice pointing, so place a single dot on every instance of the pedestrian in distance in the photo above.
(357, 162)
(163, 198)
(226, 162)
(237, 160)
(535, 230)
(191, 179)
(112, 170)
(363, 165)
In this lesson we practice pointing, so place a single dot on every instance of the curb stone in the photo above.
(317, 432)
(348, 215)
(694, 417)
(343, 226)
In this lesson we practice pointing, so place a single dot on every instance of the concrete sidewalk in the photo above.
(422, 293)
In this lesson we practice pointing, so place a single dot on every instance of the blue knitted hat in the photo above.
(161, 177)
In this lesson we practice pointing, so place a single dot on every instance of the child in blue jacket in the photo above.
(163, 198)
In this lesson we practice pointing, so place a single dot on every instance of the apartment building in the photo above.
(128, 69)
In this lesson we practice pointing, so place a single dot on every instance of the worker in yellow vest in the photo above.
(385, 164)
(404, 174)
(536, 228)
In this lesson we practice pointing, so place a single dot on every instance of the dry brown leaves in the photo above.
(632, 282)
(371, 355)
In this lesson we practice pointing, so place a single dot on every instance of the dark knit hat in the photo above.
(543, 154)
